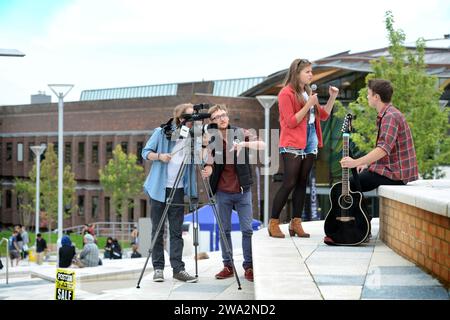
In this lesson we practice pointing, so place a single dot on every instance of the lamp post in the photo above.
(38, 150)
(267, 102)
(60, 90)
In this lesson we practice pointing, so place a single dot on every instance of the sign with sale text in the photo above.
(65, 284)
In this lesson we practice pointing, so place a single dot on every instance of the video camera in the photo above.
(169, 129)
(197, 116)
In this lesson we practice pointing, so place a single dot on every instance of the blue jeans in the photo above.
(311, 143)
(243, 204)
(175, 215)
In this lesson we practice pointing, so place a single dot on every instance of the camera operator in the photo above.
(167, 154)
(231, 179)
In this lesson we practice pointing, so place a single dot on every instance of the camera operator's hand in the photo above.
(206, 172)
(206, 138)
(165, 157)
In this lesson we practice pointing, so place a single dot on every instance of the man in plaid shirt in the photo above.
(393, 160)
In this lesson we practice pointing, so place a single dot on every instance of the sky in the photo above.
(95, 44)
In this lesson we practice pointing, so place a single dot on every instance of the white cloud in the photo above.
(108, 43)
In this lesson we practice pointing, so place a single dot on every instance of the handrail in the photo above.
(7, 257)
(115, 228)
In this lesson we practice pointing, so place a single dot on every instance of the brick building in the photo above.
(92, 129)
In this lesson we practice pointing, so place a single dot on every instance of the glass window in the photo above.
(8, 199)
(140, 146)
(80, 205)
(81, 152)
(20, 152)
(124, 146)
(94, 209)
(68, 152)
(94, 152)
(107, 209)
(30, 152)
(109, 150)
(9, 151)
(143, 208)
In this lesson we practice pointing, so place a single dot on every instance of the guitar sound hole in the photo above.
(345, 201)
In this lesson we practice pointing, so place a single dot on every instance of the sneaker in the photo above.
(227, 272)
(185, 277)
(158, 276)
(249, 274)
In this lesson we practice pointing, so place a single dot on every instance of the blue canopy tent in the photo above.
(207, 222)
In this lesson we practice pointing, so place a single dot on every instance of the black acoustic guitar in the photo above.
(346, 223)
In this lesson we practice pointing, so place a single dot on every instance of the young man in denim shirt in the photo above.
(167, 154)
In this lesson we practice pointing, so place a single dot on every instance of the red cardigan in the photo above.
(293, 134)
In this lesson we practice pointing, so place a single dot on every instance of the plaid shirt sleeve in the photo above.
(388, 133)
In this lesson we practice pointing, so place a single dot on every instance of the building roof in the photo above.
(225, 88)
(436, 59)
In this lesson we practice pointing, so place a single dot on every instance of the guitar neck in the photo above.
(345, 171)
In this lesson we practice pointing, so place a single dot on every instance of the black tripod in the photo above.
(211, 200)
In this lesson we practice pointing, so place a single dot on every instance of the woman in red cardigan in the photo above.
(300, 138)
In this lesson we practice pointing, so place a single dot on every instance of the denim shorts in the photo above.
(311, 144)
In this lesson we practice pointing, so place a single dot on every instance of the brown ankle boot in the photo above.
(274, 229)
(295, 227)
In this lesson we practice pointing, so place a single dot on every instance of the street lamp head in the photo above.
(60, 90)
(37, 150)
(11, 53)
(267, 101)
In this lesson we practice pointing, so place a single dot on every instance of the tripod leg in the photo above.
(163, 217)
(212, 201)
(195, 220)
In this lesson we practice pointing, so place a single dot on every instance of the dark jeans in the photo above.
(243, 204)
(370, 180)
(175, 215)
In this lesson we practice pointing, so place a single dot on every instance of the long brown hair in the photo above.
(179, 110)
(292, 77)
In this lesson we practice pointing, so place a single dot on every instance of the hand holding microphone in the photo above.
(313, 98)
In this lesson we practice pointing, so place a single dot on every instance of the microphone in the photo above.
(313, 87)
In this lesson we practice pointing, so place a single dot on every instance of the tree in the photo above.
(49, 186)
(415, 94)
(26, 195)
(122, 178)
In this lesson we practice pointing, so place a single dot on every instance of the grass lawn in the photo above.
(76, 239)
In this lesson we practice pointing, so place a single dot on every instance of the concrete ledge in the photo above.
(110, 270)
(429, 195)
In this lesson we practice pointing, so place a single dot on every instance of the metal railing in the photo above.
(116, 230)
(7, 257)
